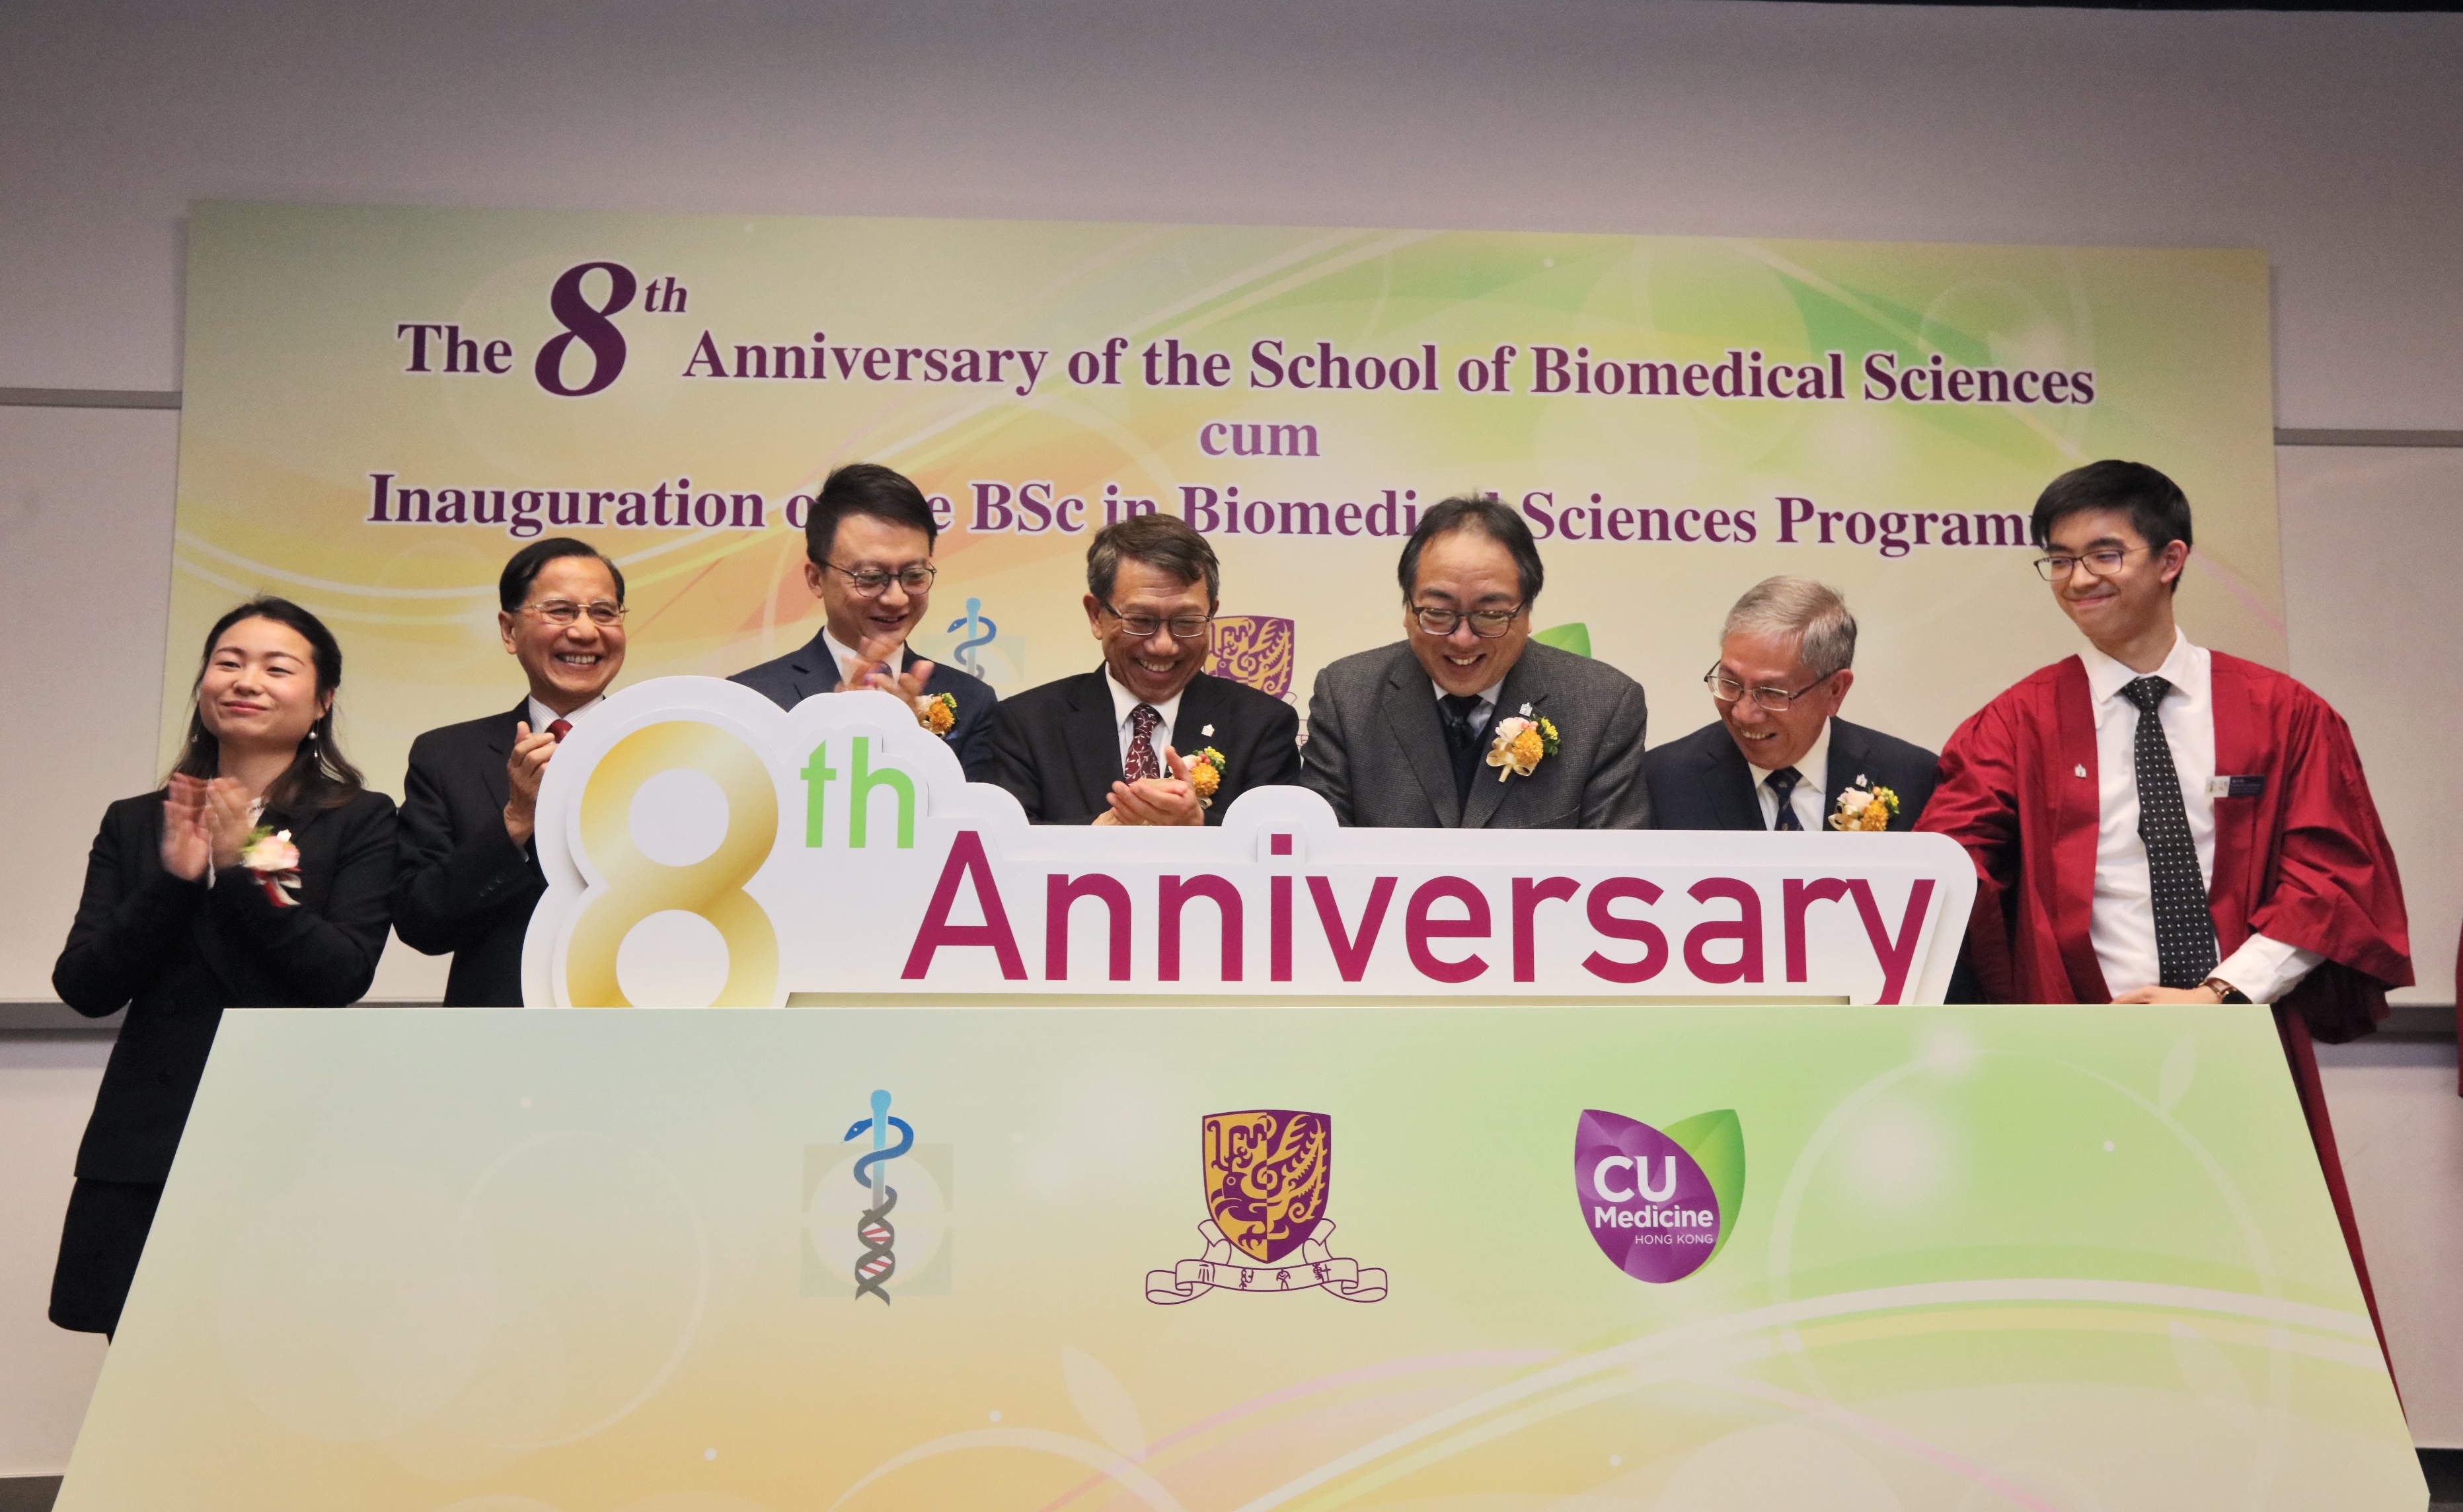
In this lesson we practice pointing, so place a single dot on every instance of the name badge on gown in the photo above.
(2237, 786)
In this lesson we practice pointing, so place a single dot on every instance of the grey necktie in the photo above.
(2185, 924)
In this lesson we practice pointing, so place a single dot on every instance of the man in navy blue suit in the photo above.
(1778, 756)
(868, 548)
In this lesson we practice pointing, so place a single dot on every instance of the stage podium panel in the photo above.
(1480, 1254)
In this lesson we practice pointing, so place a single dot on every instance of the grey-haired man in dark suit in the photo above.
(1778, 756)
(1406, 736)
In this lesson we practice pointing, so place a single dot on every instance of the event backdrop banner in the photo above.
(383, 404)
(1227, 1260)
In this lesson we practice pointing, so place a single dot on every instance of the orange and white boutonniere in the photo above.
(1206, 774)
(938, 714)
(273, 861)
(1864, 807)
(1521, 741)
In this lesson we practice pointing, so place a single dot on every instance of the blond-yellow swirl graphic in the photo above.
(633, 886)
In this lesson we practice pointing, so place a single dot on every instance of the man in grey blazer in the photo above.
(1403, 736)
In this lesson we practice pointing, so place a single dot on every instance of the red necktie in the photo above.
(559, 728)
(1141, 761)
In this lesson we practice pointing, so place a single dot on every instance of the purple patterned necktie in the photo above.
(1141, 761)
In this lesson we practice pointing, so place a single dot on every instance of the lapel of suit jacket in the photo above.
(1205, 703)
(815, 670)
(1729, 780)
(1093, 738)
(1851, 756)
(500, 744)
(1411, 705)
(1523, 685)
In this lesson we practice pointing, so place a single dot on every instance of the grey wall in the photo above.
(2329, 141)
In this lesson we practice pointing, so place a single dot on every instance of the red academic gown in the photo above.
(2305, 861)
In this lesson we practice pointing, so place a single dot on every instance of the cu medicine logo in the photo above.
(1659, 1204)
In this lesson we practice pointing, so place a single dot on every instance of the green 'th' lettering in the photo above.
(861, 783)
(816, 780)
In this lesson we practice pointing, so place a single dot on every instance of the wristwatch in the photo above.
(2225, 992)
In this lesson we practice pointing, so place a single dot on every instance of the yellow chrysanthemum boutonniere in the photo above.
(1864, 808)
(1521, 742)
(1206, 776)
(938, 714)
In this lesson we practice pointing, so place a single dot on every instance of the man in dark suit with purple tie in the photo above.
(1118, 745)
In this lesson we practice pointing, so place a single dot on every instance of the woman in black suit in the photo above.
(255, 877)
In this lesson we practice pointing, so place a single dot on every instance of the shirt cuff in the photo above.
(2264, 970)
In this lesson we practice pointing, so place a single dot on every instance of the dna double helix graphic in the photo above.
(981, 631)
(872, 1228)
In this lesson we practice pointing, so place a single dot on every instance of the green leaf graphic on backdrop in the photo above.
(1716, 1142)
(1574, 638)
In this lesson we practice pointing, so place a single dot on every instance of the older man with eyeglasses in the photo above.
(868, 557)
(469, 876)
(1778, 756)
(1467, 722)
(1124, 744)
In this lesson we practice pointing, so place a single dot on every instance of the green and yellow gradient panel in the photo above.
(504, 1262)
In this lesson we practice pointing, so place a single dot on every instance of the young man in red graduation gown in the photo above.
(2225, 852)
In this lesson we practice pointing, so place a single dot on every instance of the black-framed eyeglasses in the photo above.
(605, 613)
(1143, 626)
(1777, 700)
(2102, 562)
(871, 583)
(1486, 624)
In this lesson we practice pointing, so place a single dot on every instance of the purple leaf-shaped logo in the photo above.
(1645, 1198)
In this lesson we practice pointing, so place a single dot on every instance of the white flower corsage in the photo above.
(1520, 743)
(273, 861)
(1864, 807)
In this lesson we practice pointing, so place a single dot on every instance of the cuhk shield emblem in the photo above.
(1257, 649)
(1267, 1177)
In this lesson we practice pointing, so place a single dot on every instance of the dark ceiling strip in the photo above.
(90, 398)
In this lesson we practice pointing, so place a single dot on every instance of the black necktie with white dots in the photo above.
(2185, 924)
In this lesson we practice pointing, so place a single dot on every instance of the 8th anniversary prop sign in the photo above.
(703, 846)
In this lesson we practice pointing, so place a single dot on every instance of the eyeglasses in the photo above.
(605, 613)
(870, 582)
(1486, 624)
(1143, 626)
(1777, 700)
(2102, 562)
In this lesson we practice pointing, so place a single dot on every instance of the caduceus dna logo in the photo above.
(873, 1229)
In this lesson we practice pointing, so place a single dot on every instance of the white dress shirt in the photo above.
(542, 716)
(2122, 920)
(1814, 769)
(1124, 705)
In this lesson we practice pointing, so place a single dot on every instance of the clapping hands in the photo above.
(187, 843)
(875, 658)
(1156, 799)
(205, 823)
